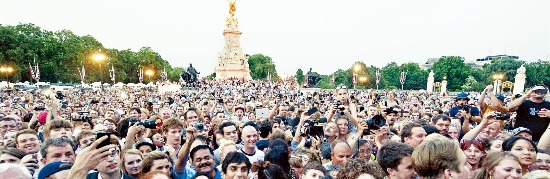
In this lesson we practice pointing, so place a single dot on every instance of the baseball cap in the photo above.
(42, 117)
(500, 96)
(518, 130)
(53, 168)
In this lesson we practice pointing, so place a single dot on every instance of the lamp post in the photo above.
(149, 73)
(6, 70)
(497, 81)
(356, 68)
(98, 57)
(362, 79)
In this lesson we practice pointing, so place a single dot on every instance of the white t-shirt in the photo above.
(257, 156)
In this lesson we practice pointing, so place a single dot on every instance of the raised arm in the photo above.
(481, 99)
(183, 154)
(512, 106)
(472, 134)
(544, 142)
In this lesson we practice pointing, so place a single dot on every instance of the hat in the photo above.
(53, 168)
(258, 104)
(239, 107)
(42, 117)
(462, 96)
(518, 130)
(500, 96)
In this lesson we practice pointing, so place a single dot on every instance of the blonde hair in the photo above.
(537, 174)
(434, 155)
(131, 152)
(493, 160)
(223, 145)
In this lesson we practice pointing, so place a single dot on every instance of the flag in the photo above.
(82, 74)
(140, 75)
(377, 76)
(402, 77)
(31, 71)
(37, 73)
(112, 73)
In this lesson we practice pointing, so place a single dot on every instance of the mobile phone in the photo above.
(106, 142)
(316, 131)
(311, 111)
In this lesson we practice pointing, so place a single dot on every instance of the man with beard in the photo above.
(250, 137)
(442, 123)
(413, 134)
(202, 157)
(391, 116)
(532, 113)
(27, 140)
(395, 159)
(110, 167)
(462, 104)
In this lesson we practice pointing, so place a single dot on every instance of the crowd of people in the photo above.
(273, 130)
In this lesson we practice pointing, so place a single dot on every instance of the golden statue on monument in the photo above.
(232, 7)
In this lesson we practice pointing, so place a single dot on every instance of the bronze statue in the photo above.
(312, 79)
(232, 7)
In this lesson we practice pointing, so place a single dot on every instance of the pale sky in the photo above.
(325, 35)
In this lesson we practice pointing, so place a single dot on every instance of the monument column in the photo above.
(444, 85)
(519, 83)
(232, 62)
(430, 86)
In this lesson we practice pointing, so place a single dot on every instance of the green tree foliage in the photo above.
(416, 77)
(454, 68)
(538, 73)
(260, 66)
(505, 66)
(390, 75)
(300, 76)
(471, 84)
(61, 54)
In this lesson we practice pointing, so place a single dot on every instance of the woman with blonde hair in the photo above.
(132, 162)
(500, 165)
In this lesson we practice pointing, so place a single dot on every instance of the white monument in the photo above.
(232, 62)
(519, 84)
(430, 87)
(444, 85)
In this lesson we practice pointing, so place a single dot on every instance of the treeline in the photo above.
(459, 75)
(61, 54)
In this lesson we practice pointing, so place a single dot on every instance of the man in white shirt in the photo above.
(250, 136)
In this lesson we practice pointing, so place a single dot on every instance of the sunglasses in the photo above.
(342, 87)
(541, 91)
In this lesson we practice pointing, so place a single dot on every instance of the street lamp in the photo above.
(149, 73)
(98, 57)
(497, 80)
(7, 71)
(362, 79)
(356, 68)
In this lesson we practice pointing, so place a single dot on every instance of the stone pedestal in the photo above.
(430, 85)
(519, 83)
(496, 87)
(232, 62)
(444, 86)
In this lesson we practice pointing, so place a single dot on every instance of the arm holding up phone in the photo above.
(89, 158)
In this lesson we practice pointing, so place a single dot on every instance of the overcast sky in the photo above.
(325, 35)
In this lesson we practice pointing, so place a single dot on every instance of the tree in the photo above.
(538, 73)
(472, 84)
(300, 76)
(390, 75)
(260, 66)
(504, 65)
(416, 77)
(454, 68)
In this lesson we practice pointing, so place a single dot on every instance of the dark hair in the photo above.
(488, 142)
(253, 124)
(509, 143)
(391, 153)
(200, 147)
(135, 109)
(226, 124)
(442, 117)
(430, 129)
(278, 143)
(7, 119)
(357, 167)
(122, 127)
(271, 171)
(153, 147)
(314, 166)
(58, 142)
(188, 110)
(407, 130)
(235, 157)
(265, 129)
(279, 155)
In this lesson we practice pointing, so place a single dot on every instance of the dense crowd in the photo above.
(273, 130)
